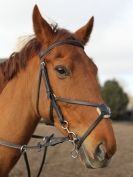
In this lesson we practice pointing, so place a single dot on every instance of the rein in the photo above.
(45, 142)
(103, 110)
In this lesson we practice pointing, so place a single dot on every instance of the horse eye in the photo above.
(62, 71)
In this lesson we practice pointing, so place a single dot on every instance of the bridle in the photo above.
(104, 111)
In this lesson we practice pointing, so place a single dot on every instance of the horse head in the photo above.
(72, 75)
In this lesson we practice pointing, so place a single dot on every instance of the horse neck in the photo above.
(17, 113)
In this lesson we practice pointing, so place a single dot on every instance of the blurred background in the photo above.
(110, 46)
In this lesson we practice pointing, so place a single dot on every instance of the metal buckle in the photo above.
(42, 63)
(23, 149)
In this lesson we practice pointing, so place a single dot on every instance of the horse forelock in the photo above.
(22, 41)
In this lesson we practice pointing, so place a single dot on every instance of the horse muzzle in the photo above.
(100, 159)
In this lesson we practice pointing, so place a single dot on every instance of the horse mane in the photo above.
(19, 60)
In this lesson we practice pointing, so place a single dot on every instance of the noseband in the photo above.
(104, 111)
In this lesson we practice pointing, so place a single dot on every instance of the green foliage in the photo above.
(115, 98)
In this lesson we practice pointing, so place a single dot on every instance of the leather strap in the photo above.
(73, 42)
(78, 102)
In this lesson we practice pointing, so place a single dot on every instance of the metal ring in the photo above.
(44, 139)
(23, 148)
(74, 152)
(43, 63)
(54, 96)
(65, 125)
(72, 136)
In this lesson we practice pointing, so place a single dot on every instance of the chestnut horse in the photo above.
(72, 75)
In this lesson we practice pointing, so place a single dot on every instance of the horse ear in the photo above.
(42, 29)
(84, 32)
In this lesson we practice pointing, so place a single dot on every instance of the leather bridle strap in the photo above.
(42, 145)
(50, 94)
(73, 42)
(78, 102)
(104, 113)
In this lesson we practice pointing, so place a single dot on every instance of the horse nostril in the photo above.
(100, 152)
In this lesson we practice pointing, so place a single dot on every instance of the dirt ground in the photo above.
(60, 164)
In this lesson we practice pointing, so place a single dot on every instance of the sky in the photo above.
(111, 43)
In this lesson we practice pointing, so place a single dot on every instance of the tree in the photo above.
(115, 97)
